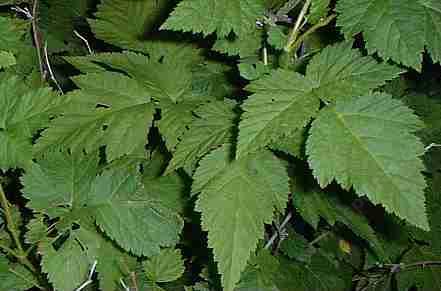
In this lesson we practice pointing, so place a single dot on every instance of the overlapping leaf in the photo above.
(368, 143)
(167, 266)
(121, 122)
(213, 128)
(249, 190)
(126, 23)
(22, 112)
(397, 29)
(223, 17)
(15, 277)
(285, 101)
(64, 186)
(315, 205)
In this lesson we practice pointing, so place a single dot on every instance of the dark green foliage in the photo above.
(237, 145)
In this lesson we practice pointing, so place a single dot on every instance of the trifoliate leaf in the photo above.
(126, 22)
(285, 101)
(211, 129)
(397, 29)
(22, 112)
(249, 189)
(167, 266)
(360, 142)
(121, 122)
(318, 10)
(15, 277)
(223, 17)
(147, 223)
(7, 59)
(339, 71)
(316, 204)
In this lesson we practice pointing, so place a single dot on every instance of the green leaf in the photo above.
(170, 190)
(260, 274)
(7, 59)
(22, 113)
(222, 17)
(397, 29)
(426, 278)
(65, 186)
(318, 10)
(296, 247)
(15, 277)
(57, 22)
(211, 129)
(148, 224)
(67, 268)
(316, 204)
(126, 23)
(285, 101)
(340, 71)
(282, 103)
(319, 275)
(59, 182)
(122, 125)
(69, 265)
(249, 190)
(367, 143)
(167, 266)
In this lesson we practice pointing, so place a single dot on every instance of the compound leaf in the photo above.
(285, 101)
(121, 121)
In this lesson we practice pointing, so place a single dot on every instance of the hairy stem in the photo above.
(297, 42)
(20, 253)
(295, 31)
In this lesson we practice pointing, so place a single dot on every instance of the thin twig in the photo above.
(276, 234)
(293, 35)
(25, 11)
(89, 49)
(49, 68)
(319, 238)
(89, 278)
(432, 145)
(121, 281)
(36, 36)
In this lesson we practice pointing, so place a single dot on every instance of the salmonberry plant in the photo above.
(235, 145)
